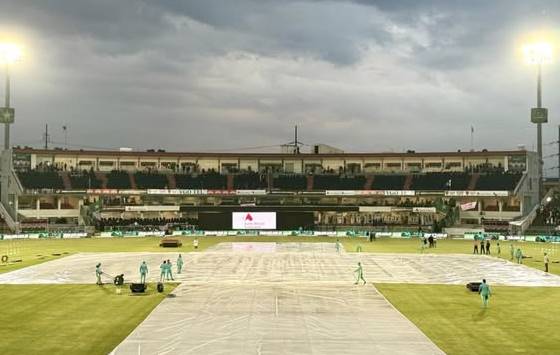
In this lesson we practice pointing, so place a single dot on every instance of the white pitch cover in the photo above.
(254, 220)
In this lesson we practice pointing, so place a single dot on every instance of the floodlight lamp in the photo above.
(9, 53)
(538, 53)
(548, 199)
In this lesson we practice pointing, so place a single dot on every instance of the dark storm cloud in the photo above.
(362, 75)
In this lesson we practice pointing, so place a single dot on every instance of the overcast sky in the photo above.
(215, 74)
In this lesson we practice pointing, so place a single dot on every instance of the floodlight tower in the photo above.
(9, 54)
(9, 188)
(538, 54)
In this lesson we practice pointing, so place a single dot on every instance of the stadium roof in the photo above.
(264, 155)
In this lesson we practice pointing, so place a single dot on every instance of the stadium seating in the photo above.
(549, 214)
(440, 181)
(250, 181)
(495, 225)
(290, 182)
(388, 182)
(141, 223)
(84, 180)
(497, 181)
(337, 182)
(41, 180)
(209, 180)
(150, 180)
(118, 180)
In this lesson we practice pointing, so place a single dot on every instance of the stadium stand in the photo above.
(84, 180)
(41, 180)
(440, 181)
(497, 181)
(549, 214)
(250, 181)
(118, 180)
(388, 182)
(146, 180)
(338, 182)
(209, 180)
(290, 182)
(141, 223)
(295, 186)
(495, 225)
(293, 182)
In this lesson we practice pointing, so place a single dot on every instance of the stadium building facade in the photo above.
(59, 189)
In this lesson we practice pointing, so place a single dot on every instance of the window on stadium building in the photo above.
(289, 167)
(148, 164)
(314, 168)
(188, 167)
(229, 168)
(414, 166)
(168, 165)
(393, 165)
(354, 167)
(452, 165)
(370, 167)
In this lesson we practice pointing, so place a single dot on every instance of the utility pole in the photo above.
(46, 136)
(296, 143)
(472, 138)
(65, 129)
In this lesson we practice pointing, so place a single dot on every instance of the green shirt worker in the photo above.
(143, 272)
(484, 291)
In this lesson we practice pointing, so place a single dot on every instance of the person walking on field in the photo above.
(475, 247)
(519, 256)
(484, 291)
(487, 246)
(179, 264)
(511, 251)
(162, 268)
(143, 272)
(359, 274)
(169, 271)
(195, 243)
(498, 246)
(546, 261)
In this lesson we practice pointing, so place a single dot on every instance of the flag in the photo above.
(468, 206)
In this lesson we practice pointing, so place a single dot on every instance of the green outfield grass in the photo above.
(519, 320)
(70, 319)
(34, 251)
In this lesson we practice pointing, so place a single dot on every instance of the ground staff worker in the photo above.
(143, 272)
(359, 274)
(98, 273)
(179, 264)
(484, 291)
